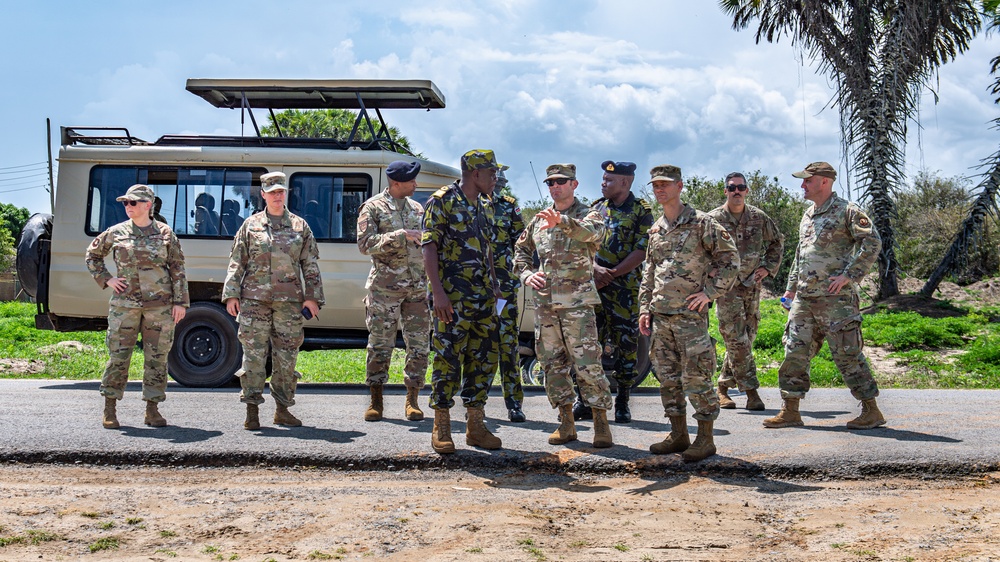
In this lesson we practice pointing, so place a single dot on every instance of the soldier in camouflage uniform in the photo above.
(566, 236)
(691, 261)
(837, 246)
(272, 283)
(617, 275)
(150, 296)
(458, 229)
(389, 231)
(760, 245)
(509, 226)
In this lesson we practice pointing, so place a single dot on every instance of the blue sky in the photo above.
(654, 82)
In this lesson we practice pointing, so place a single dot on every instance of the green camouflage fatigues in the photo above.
(152, 263)
(565, 323)
(465, 351)
(760, 244)
(678, 262)
(273, 268)
(836, 239)
(618, 312)
(397, 288)
(509, 226)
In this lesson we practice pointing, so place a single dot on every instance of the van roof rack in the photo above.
(318, 94)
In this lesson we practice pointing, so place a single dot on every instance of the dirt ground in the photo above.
(285, 514)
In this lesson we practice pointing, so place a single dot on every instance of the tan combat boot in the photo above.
(870, 417)
(283, 417)
(703, 446)
(476, 434)
(413, 412)
(725, 402)
(788, 416)
(753, 400)
(566, 431)
(374, 411)
(110, 416)
(253, 419)
(441, 433)
(602, 431)
(153, 417)
(676, 441)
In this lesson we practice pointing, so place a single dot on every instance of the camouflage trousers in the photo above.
(838, 319)
(566, 339)
(738, 312)
(618, 326)
(384, 311)
(465, 356)
(274, 325)
(156, 324)
(683, 357)
(509, 367)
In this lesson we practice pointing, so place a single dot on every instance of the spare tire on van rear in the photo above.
(29, 250)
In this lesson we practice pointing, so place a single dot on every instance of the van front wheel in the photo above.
(206, 351)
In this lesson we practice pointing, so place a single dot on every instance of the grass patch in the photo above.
(133, 520)
(166, 552)
(104, 543)
(168, 534)
(32, 536)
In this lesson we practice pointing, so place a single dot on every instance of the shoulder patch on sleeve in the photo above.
(725, 235)
(864, 222)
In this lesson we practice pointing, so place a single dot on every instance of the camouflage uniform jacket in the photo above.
(836, 239)
(566, 256)
(152, 265)
(397, 264)
(679, 259)
(509, 226)
(462, 232)
(628, 231)
(757, 238)
(274, 265)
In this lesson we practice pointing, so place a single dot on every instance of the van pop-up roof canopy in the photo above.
(362, 96)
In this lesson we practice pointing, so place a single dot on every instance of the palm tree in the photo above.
(880, 54)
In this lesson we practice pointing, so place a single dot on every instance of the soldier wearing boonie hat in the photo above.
(685, 245)
(457, 248)
(389, 232)
(565, 237)
(617, 275)
(822, 287)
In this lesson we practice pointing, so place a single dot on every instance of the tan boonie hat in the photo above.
(554, 171)
(478, 159)
(665, 173)
(138, 192)
(272, 181)
(817, 169)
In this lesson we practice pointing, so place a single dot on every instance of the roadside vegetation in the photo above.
(953, 352)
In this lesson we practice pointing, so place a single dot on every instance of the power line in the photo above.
(41, 168)
(36, 175)
(24, 166)
(46, 186)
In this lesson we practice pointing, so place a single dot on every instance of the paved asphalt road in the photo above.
(931, 433)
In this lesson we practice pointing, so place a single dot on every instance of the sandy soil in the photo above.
(272, 514)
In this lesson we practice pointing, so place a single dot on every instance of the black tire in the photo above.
(206, 351)
(531, 374)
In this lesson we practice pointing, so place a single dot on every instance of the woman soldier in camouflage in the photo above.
(150, 295)
(273, 282)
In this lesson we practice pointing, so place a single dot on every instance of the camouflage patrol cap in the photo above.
(567, 171)
(665, 172)
(817, 169)
(272, 181)
(501, 177)
(138, 192)
(478, 159)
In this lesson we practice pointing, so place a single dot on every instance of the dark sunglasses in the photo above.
(736, 187)
(133, 203)
(557, 181)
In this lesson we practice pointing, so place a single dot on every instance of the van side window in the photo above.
(194, 202)
(329, 203)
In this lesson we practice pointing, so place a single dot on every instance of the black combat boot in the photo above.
(514, 412)
(622, 413)
(581, 411)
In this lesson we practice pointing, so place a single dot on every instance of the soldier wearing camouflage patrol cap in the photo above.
(837, 246)
(149, 296)
(678, 285)
(617, 275)
(457, 248)
(389, 227)
(272, 286)
(509, 226)
(566, 236)
(760, 245)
